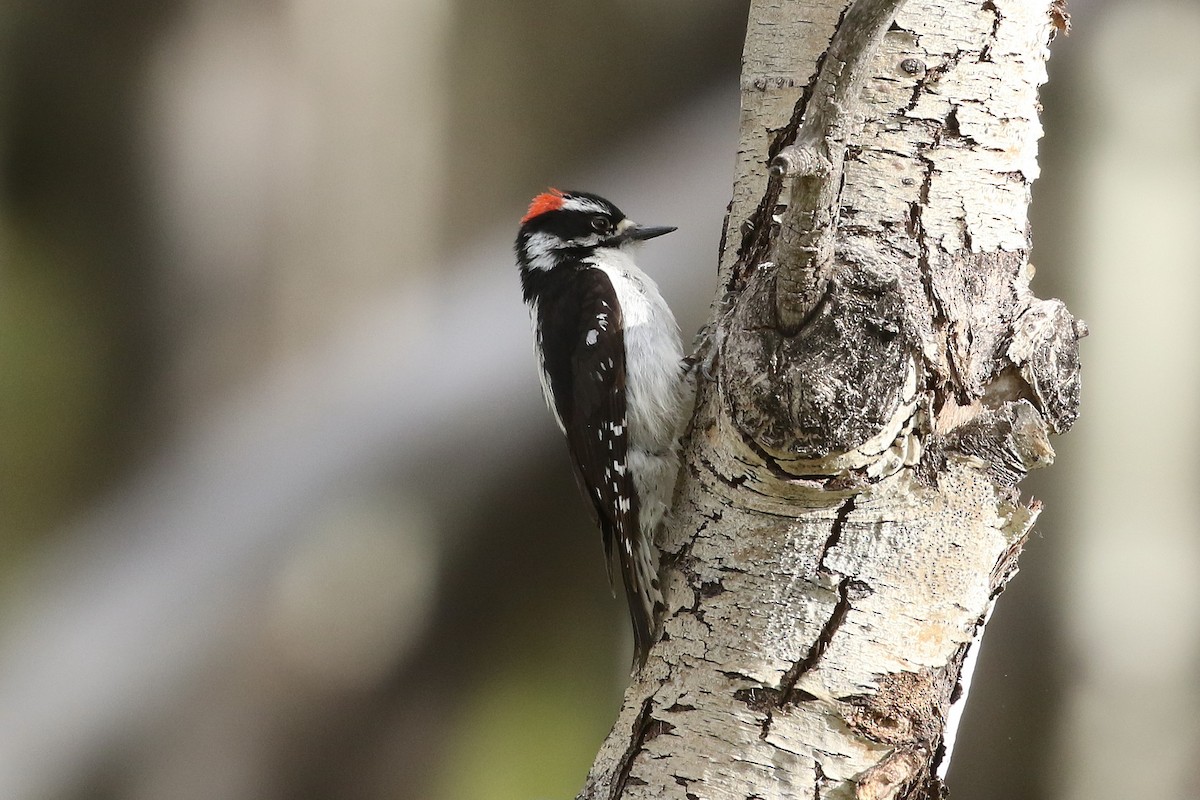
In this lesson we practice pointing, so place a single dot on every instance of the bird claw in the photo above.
(709, 342)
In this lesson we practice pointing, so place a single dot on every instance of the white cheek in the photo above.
(540, 250)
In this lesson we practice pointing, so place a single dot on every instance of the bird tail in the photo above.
(639, 569)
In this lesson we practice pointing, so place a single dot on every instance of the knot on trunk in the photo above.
(843, 383)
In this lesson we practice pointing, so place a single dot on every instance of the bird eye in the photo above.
(600, 224)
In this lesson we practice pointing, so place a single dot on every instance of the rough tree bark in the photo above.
(876, 380)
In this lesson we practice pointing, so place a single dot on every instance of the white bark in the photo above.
(848, 513)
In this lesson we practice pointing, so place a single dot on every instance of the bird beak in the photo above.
(640, 233)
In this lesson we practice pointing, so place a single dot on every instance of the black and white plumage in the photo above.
(611, 366)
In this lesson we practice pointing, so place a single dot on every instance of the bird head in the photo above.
(562, 226)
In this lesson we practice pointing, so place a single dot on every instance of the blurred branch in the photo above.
(122, 612)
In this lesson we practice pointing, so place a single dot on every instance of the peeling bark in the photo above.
(875, 382)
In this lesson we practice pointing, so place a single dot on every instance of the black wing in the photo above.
(584, 347)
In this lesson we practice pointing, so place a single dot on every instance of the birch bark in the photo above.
(876, 379)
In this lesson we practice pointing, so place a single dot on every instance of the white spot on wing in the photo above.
(592, 336)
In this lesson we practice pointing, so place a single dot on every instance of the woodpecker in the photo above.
(612, 372)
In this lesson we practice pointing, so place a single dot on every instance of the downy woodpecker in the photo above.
(611, 367)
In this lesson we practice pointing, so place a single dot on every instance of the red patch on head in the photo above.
(547, 201)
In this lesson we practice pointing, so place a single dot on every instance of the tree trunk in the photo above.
(875, 381)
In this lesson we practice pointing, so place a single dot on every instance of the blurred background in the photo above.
(282, 512)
